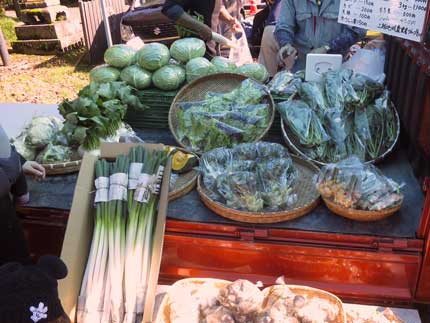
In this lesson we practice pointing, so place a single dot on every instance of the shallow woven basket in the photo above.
(294, 145)
(196, 91)
(62, 168)
(165, 310)
(308, 199)
(184, 184)
(360, 215)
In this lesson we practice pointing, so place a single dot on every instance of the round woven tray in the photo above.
(62, 168)
(294, 145)
(165, 310)
(196, 91)
(308, 199)
(360, 215)
(184, 184)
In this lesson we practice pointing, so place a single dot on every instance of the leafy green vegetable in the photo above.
(119, 56)
(104, 74)
(198, 67)
(53, 154)
(251, 176)
(223, 65)
(97, 112)
(42, 131)
(169, 77)
(351, 115)
(224, 119)
(153, 56)
(255, 71)
(185, 49)
(136, 77)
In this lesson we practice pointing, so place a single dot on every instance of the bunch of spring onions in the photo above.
(116, 276)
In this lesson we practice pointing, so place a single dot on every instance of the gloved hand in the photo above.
(189, 22)
(287, 56)
(319, 50)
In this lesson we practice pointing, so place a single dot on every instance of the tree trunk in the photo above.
(3, 50)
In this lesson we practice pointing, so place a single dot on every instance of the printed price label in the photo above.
(404, 19)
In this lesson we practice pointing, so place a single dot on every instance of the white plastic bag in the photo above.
(241, 54)
(369, 62)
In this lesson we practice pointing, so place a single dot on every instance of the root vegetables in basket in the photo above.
(355, 185)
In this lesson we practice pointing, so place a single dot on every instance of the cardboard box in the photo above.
(79, 231)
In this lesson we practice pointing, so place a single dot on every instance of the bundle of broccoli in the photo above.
(223, 120)
(343, 115)
(251, 177)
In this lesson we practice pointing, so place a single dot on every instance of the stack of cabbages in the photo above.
(155, 65)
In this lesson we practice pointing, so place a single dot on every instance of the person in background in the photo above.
(211, 10)
(231, 28)
(266, 17)
(29, 294)
(305, 26)
(13, 190)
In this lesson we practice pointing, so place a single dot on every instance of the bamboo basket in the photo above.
(304, 187)
(360, 215)
(184, 184)
(164, 311)
(196, 90)
(294, 145)
(62, 168)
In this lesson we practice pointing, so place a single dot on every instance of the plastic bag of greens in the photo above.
(303, 122)
(353, 184)
(213, 164)
(26, 151)
(42, 131)
(249, 92)
(276, 179)
(313, 95)
(239, 190)
(333, 82)
(280, 82)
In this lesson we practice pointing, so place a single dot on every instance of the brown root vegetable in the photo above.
(219, 315)
(241, 297)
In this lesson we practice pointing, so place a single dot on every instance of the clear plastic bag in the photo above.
(353, 184)
(369, 62)
(250, 177)
(241, 54)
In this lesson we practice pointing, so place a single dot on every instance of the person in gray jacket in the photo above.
(305, 26)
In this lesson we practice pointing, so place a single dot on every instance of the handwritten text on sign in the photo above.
(402, 18)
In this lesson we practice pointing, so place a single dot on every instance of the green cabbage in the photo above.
(255, 71)
(42, 131)
(104, 74)
(153, 56)
(26, 151)
(198, 67)
(169, 77)
(223, 65)
(54, 154)
(136, 76)
(187, 48)
(119, 56)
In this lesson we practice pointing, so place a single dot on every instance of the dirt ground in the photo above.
(43, 79)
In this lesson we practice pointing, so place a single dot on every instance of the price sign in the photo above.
(401, 18)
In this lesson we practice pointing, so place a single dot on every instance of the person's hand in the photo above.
(34, 169)
(319, 50)
(235, 25)
(287, 56)
(375, 44)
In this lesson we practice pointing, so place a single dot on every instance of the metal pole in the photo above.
(3, 50)
(106, 23)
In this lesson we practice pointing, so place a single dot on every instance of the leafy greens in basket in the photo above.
(343, 115)
(252, 177)
(223, 120)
